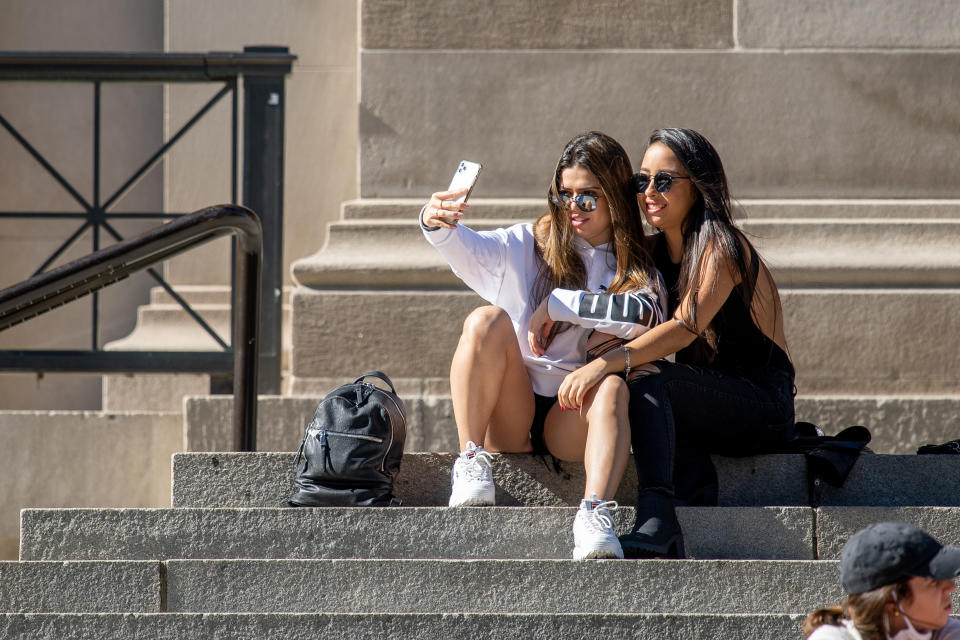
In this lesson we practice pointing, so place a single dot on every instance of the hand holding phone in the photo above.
(464, 178)
(444, 210)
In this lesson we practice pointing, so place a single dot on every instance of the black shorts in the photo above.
(542, 406)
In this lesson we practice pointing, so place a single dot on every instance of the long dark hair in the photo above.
(708, 230)
(561, 266)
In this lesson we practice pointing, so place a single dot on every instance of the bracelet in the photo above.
(626, 357)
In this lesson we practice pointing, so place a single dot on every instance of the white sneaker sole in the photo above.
(480, 500)
(597, 554)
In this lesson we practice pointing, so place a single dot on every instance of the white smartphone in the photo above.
(464, 178)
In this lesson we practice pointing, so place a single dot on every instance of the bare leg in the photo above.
(492, 395)
(598, 434)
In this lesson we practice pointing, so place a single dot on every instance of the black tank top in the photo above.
(742, 348)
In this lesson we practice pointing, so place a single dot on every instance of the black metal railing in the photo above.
(260, 71)
(91, 273)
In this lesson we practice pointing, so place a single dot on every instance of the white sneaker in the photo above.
(593, 535)
(471, 480)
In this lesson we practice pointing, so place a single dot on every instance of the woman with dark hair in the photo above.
(730, 389)
(898, 581)
(580, 268)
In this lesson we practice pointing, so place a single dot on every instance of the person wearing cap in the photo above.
(898, 581)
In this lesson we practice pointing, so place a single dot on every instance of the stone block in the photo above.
(787, 124)
(868, 341)
(281, 421)
(67, 587)
(409, 532)
(835, 525)
(889, 480)
(779, 533)
(497, 586)
(266, 480)
(899, 424)
(151, 392)
(343, 333)
(562, 24)
(874, 24)
(393, 626)
(100, 460)
(843, 341)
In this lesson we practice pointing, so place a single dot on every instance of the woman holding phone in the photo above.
(555, 287)
(731, 388)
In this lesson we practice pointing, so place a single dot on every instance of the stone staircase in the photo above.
(229, 561)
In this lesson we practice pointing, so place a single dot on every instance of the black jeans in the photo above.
(684, 413)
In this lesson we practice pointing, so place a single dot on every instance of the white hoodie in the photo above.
(501, 267)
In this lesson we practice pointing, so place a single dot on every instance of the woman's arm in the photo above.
(624, 315)
(477, 258)
(658, 342)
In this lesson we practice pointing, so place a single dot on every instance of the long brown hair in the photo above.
(560, 265)
(865, 610)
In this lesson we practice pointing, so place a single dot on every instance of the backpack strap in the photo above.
(377, 374)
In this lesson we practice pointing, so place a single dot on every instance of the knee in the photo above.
(611, 396)
(485, 322)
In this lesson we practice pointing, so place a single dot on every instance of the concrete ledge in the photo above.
(266, 480)
(836, 525)
(398, 533)
(103, 460)
(866, 23)
(898, 424)
(898, 481)
(391, 626)
(357, 586)
(562, 24)
(528, 209)
(861, 104)
(843, 341)
(69, 587)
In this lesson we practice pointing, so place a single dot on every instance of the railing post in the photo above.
(263, 143)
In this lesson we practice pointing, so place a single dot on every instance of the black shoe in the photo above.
(656, 532)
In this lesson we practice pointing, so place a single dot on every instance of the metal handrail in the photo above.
(52, 289)
(258, 73)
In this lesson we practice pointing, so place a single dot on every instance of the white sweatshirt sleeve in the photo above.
(477, 258)
(625, 315)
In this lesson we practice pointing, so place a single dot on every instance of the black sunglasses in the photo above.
(584, 202)
(661, 182)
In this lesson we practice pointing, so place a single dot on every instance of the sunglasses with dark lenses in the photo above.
(661, 182)
(584, 202)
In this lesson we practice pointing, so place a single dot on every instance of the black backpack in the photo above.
(351, 449)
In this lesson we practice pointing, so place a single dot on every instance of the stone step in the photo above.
(395, 626)
(843, 340)
(499, 586)
(399, 533)
(527, 209)
(167, 326)
(265, 480)
(801, 252)
(775, 533)
(202, 294)
(898, 424)
(71, 587)
(83, 459)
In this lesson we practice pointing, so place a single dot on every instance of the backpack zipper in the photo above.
(403, 416)
(359, 436)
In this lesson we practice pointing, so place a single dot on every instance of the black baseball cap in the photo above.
(886, 552)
